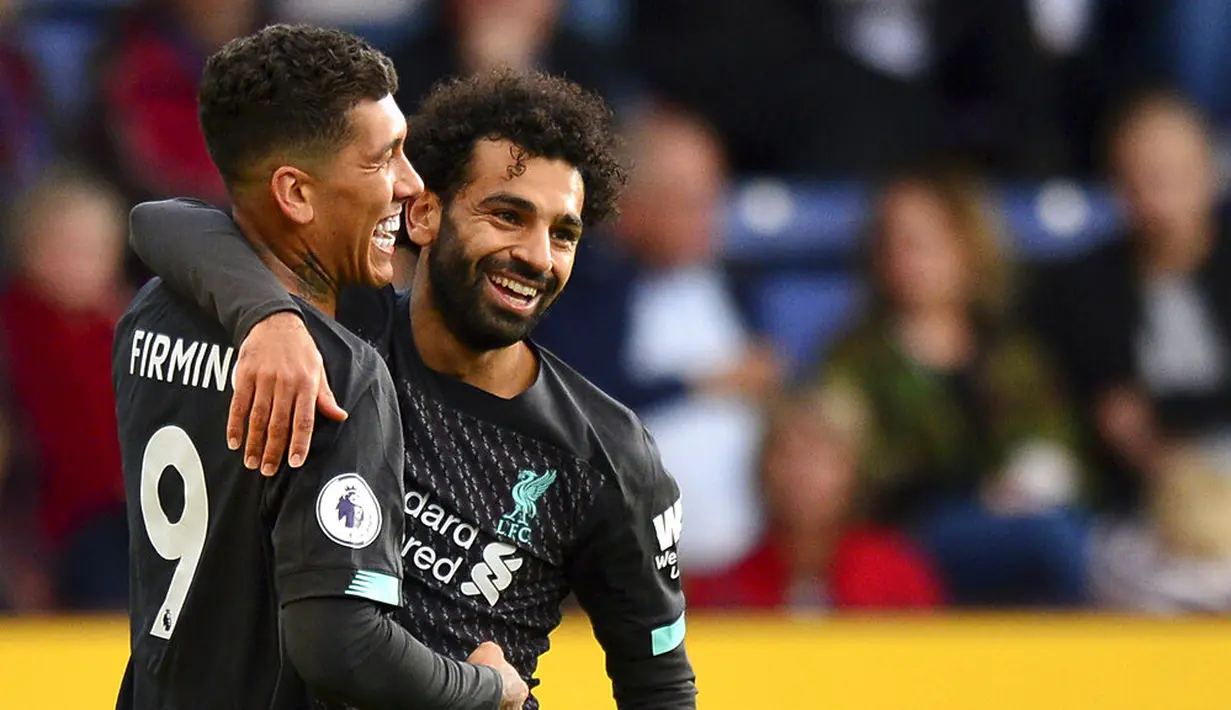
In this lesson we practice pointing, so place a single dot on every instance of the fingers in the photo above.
(327, 403)
(241, 403)
(305, 419)
(279, 425)
(258, 420)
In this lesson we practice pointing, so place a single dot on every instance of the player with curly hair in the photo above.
(524, 482)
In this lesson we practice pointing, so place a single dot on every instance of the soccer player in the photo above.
(524, 481)
(273, 593)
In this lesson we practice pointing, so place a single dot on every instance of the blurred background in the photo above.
(926, 302)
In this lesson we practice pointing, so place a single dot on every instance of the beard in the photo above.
(459, 291)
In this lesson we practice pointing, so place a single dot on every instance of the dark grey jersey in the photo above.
(216, 549)
(510, 505)
(513, 504)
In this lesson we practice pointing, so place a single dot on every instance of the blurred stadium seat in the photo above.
(61, 35)
(803, 313)
(773, 220)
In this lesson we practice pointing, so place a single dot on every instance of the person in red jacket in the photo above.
(812, 557)
(58, 316)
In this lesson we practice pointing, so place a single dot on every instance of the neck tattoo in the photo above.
(311, 282)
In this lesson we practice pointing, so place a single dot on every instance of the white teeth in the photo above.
(518, 288)
(388, 226)
(385, 234)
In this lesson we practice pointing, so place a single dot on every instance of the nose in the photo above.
(407, 183)
(534, 249)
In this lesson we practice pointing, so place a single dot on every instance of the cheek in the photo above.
(562, 264)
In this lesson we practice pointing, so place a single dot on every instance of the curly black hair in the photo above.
(286, 88)
(543, 116)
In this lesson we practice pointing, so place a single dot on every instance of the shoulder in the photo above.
(864, 347)
(624, 445)
(368, 313)
(353, 366)
(155, 303)
(142, 212)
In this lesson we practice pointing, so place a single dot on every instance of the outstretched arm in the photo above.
(199, 252)
(280, 381)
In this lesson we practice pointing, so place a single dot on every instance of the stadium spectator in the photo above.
(958, 433)
(25, 132)
(813, 557)
(57, 318)
(672, 344)
(1176, 557)
(1097, 50)
(1143, 327)
(462, 37)
(146, 136)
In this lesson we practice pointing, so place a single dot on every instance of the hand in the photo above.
(755, 377)
(279, 379)
(515, 691)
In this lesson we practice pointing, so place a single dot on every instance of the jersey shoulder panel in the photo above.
(352, 365)
(625, 444)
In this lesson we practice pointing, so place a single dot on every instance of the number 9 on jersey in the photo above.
(184, 540)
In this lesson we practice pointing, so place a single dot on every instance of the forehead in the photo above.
(375, 124)
(1160, 131)
(554, 186)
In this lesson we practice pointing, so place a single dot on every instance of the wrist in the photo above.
(275, 314)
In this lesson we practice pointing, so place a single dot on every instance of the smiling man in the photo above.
(524, 482)
(280, 594)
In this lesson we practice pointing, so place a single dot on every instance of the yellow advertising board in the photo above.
(941, 663)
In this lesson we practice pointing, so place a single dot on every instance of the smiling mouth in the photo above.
(384, 237)
(519, 296)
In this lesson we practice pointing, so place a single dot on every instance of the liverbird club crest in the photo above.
(348, 512)
(529, 488)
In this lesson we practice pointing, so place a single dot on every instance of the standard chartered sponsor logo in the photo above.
(421, 510)
(487, 578)
(494, 574)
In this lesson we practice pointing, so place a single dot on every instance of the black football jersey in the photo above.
(217, 549)
(513, 504)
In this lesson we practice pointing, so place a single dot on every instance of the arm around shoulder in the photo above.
(200, 252)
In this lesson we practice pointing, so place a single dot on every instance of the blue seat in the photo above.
(804, 313)
(62, 46)
(1058, 220)
(776, 220)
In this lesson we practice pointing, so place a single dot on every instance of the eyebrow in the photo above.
(522, 204)
(390, 147)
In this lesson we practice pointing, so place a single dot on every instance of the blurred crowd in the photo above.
(982, 430)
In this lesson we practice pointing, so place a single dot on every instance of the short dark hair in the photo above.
(286, 88)
(545, 116)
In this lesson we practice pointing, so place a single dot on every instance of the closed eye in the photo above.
(507, 216)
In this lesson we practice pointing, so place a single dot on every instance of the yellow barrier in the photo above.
(979, 663)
